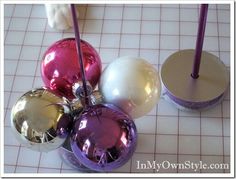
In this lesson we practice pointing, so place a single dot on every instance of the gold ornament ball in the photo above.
(41, 120)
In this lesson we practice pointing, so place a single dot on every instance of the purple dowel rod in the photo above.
(200, 39)
(79, 51)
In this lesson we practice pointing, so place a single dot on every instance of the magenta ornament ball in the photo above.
(60, 67)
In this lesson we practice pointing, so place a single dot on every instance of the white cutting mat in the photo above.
(150, 31)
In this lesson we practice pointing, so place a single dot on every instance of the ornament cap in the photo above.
(78, 90)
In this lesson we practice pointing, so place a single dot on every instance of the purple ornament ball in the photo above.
(103, 137)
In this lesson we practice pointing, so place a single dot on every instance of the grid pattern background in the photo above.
(152, 32)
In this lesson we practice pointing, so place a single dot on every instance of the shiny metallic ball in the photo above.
(103, 137)
(41, 120)
(60, 67)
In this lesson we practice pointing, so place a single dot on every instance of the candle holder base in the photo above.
(188, 93)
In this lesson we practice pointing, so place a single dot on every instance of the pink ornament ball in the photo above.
(60, 67)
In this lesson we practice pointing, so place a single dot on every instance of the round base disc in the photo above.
(189, 93)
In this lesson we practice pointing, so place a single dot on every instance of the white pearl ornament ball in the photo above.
(132, 84)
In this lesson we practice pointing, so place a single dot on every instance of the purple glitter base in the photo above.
(70, 159)
(194, 105)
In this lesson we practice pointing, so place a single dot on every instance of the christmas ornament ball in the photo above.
(132, 84)
(41, 120)
(60, 67)
(103, 137)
